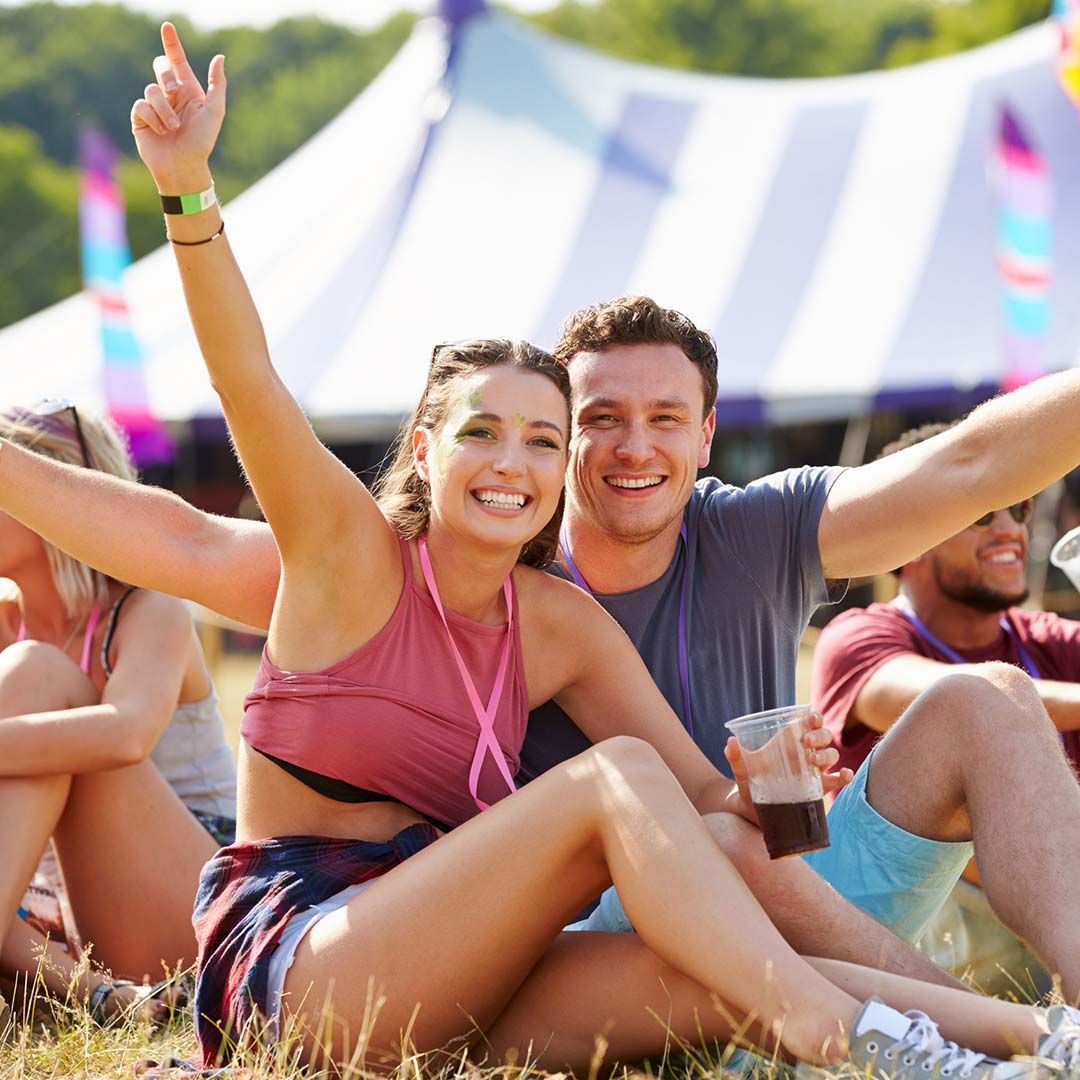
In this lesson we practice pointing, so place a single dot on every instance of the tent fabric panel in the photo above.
(803, 196)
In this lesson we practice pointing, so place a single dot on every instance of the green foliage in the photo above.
(787, 38)
(39, 258)
(62, 67)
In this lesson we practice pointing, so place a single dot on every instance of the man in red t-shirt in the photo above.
(957, 605)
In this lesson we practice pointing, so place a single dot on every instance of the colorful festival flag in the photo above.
(1024, 248)
(105, 256)
(1067, 14)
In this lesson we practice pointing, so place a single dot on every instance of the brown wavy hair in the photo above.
(640, 320)
(403, 497)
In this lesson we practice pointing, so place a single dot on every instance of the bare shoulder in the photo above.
(149, 612)
(559, 610)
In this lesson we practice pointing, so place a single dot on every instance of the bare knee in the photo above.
(623, 776)
(35, 676)
(627, 759)
(979, 699)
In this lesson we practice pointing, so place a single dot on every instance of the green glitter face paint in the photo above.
(518, 419)
(455, 429)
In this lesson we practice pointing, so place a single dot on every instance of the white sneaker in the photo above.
(908, 1046)
(1059, 1049)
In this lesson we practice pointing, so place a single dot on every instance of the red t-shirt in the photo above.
(855, 644)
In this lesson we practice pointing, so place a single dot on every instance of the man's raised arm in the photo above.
(884, 514)
(144, 535)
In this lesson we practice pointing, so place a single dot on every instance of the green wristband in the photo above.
(194, 203)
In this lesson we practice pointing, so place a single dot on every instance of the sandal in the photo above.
(145, 995)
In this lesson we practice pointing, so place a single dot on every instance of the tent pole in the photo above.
(856, 437)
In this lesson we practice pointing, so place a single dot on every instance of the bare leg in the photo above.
(813, 917)
(27, 955)
(459, 927)
(633, 1000)
(129, 850)
(31, 680)
(990, 767)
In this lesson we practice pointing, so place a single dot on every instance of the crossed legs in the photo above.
(457, 941)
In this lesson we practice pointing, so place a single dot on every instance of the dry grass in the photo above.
(61, 1041)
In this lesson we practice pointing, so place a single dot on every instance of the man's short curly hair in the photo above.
(638, 320)
(914, 436)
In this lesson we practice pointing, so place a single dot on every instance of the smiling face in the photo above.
(496, 465)
(983, 568)
(639, 438)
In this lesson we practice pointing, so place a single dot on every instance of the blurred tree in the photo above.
(285, 83)
(39, 258)
(786, 38)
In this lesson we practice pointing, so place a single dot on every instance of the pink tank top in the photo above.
(394, 717)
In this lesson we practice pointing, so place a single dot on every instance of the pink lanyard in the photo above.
(485, 717)
(88, 637)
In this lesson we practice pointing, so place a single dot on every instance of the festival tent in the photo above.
(836, 235)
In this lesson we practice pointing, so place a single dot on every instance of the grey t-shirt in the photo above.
(755, 580)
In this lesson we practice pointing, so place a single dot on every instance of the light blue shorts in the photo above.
(899, 879)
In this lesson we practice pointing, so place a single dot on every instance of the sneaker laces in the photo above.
(1062, 1045)
(924, 1040)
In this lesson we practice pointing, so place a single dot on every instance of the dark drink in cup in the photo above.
(793, 828)
(785, 787)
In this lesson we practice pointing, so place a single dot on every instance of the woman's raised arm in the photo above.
(313, 503)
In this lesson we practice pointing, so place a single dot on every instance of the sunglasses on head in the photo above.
(1020, 513)
(55, 406)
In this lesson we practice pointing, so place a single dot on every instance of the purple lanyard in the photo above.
(684, 618)
(904, 607)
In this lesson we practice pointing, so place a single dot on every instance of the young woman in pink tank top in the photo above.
(90, 675)
(428, 609)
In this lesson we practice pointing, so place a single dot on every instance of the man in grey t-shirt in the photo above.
(756, 562)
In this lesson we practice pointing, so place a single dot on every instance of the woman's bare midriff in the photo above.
(270, 802)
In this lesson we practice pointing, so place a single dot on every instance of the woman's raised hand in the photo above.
(176, 122)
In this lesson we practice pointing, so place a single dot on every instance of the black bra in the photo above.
(333, 788)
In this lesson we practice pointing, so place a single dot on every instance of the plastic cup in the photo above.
(1066, 556)
(784, 787)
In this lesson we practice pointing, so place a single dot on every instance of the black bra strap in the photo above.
(110, 630)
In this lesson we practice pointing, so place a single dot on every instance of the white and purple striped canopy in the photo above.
(837, 235)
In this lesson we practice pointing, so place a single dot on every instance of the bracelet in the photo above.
(194, 203)
(198, 243)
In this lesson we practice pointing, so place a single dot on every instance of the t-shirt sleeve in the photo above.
(771, 528)
(1056, 637)
(850, 649)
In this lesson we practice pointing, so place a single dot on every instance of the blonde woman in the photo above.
(111, 742)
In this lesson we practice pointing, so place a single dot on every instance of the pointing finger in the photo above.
(170, 41)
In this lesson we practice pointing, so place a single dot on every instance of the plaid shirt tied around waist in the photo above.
(247, 894)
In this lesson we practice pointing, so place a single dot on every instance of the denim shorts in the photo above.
(899, 879)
